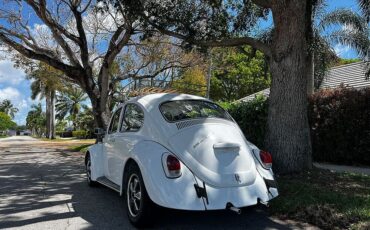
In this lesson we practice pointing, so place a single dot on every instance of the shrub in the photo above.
(339, 120)
(251, 117)
(81, 134)
(340, 125)
(64, 134)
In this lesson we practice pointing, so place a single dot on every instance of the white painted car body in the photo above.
(203, 148)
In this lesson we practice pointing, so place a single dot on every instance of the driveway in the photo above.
(42, 186)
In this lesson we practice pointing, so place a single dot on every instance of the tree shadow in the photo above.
(46, 186)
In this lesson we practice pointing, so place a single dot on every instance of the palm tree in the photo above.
(70, 102)
(353, 31)
(36, 120)
(365, 8)
(45, 84)
(7, 107)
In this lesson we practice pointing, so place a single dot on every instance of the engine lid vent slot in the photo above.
(184, 124)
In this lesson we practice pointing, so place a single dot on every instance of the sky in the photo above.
(15, 87)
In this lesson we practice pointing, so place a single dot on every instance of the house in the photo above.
(352, 75)
(349, 75)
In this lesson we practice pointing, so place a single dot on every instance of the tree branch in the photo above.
(263, 3)
(56, 29)
(255, 43)
(153, 75)
(82, 38)
(72, 72)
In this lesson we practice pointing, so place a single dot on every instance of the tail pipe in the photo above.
(231, 207)
(265, 203)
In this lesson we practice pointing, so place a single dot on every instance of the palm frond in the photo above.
(344, 17)
(365, 8)
(354, 39)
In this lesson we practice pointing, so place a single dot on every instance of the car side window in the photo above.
(114, 123)
(133, 118)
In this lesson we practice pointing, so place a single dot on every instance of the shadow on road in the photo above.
(40, 189)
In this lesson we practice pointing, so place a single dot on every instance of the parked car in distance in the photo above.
(178, 151)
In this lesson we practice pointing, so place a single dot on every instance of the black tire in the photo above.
(140, 211)
(90, 182)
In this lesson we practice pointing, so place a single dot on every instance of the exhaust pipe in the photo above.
(265, 203)
(231, 207)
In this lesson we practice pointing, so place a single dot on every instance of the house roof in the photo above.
(350, 75)
(265, 92)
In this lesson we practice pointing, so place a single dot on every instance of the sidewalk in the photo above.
(343, 168)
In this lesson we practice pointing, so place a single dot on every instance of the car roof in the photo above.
(151, 101)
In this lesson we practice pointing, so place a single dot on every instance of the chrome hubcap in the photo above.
(134, 195)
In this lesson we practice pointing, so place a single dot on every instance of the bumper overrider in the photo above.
(233, 198)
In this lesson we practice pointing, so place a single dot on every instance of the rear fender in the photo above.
(267, 175)
(178, 193)
(96, 156)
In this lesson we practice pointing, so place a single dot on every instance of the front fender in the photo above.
(178, 193)
(96, 156)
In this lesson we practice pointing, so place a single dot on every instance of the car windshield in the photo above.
(175, 111)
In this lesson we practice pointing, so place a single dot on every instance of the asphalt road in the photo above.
(43, 187)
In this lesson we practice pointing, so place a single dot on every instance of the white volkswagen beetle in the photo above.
(179, 151)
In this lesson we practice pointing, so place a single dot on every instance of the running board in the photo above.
(105, 181)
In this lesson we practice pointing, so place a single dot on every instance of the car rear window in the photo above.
(174, 111)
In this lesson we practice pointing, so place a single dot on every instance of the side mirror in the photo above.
(99, 132)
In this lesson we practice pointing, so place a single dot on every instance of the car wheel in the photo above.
(88, 172)
(140, 209)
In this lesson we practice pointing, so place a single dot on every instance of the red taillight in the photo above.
(173, 164)
(266, 158)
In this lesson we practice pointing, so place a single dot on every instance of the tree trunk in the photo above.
(311, 74)
(288, 134)
(101, 111)
(52, 115)
(48, 114)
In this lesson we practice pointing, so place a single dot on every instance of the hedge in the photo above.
(339, 120)
(251, 117)
(81, 134)
(340, 125)
(64, 133)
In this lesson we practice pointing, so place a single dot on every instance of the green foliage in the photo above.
(339, 120)
(251, 117)
(36, 120)
(80, 148)
(81, 134)
(343, 61)
(60, 126)
(85, 119)
(325, 199)
(340, 125)
(6, 122)
(192, 81)
(8, 108)
(45, 79)
(69, 102)
(20, 127)
(238, 72)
